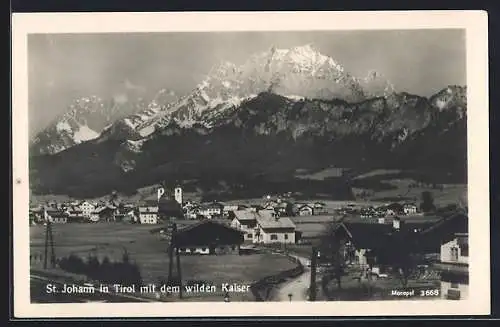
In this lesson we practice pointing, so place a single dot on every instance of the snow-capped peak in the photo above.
(84, 120)
(297, 72)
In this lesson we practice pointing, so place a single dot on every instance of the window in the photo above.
(249, 235)
(274, 237)
(464, 250)
(286, 236)
(454, 285)
(203, 249)
(192, 249)
(454, 254)
(233, 247)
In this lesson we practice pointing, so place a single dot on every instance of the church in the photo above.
(170, 204)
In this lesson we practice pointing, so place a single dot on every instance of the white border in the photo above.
(475, 23)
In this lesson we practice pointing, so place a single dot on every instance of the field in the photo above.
(150, 252)
(396, 185)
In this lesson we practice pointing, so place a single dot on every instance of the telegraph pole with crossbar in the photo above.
(49, 243)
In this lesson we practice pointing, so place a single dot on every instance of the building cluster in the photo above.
(365, 245)
(218, 228)
(388, 210)
(81, 212)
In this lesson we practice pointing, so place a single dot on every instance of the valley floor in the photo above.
(149, 251)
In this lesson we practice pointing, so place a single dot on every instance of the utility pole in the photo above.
(49, 242)
(173, 247)
(171, 254)
(312, 287)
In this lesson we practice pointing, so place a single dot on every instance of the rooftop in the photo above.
(245, 215)
(267, 221)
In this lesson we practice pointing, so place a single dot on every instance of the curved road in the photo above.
(298, 287)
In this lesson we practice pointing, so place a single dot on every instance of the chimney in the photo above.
(396, 223)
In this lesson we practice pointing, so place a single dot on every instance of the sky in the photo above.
(62, 67)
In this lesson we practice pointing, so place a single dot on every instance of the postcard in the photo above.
(250, 164)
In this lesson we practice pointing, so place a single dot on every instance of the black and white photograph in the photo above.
(295, 165)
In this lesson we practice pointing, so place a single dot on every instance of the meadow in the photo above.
(149, 251)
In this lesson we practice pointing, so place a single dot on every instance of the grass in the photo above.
(150, 252)
(403, 186)
(322, 174)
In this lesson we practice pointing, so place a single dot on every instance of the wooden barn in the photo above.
(208, 237)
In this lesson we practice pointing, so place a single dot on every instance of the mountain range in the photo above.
(282, 111)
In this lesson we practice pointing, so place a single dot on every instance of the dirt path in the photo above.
(296, 287)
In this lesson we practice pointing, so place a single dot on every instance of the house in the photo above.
(227, 210)
(148, 212)
(409, 209)
(192, 212)
(450, 235)
(208, 237)
(364, 240)
(36, 214)
(285, 208)
(210, 210)
(271, 228)
(56, 216)
(245, 221)
(270, 204)
(188, 205)
(454, 267)
(75, 215)
(444, 230)
(87, 208)
(319, 208)
(106, 213)
(296, 206)
(129, 215)
(394, 209)
(306, 210)
(73, 211)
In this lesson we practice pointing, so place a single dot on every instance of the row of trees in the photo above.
(124, 272)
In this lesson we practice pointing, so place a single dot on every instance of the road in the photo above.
(297, 287)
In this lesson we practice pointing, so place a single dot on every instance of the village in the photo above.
(294, 227)
(148, 211)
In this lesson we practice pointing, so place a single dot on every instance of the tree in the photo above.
(402, 253)
(93, 267)
(332, 252)
(75, 264)
(105, 273)
(427, 204)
